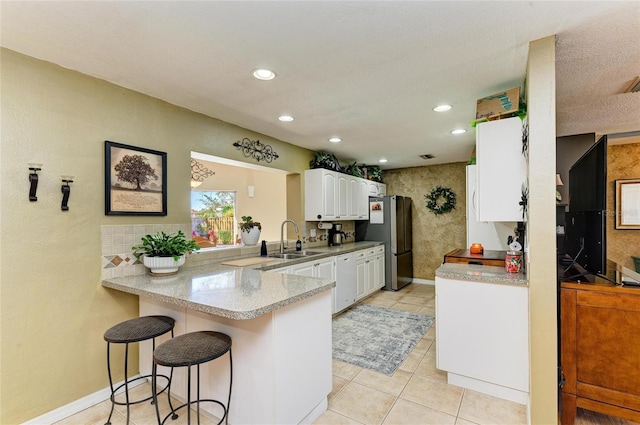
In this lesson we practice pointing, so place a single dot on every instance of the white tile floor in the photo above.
(416, 394)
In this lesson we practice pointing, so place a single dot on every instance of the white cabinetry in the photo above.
(491, 234)
(369, 271)
(501, 170)
(335, 196)
(363, 195)
(488, 351)
(345, 290)
(323, 268)
(378, 264)
(321, 194)
(361, 273)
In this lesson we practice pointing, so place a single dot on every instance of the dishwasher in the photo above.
(346, 281)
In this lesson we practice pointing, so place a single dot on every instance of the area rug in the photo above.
(377, 338)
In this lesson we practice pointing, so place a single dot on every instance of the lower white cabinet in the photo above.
(324, 268)
(482, 337)
(346, 288)
(370, 271)
(361, 274)
(364, 276)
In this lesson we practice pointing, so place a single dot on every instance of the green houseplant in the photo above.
(249, 230)
(164, 253)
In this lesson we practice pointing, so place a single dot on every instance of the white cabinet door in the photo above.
(325, 268)
(320, 194)
(491, 344)
(346, 282)
(303, 269)
(373, 188)
(491, 234)
(378, 265)
(361, 274)
(501, 170)
(382, 189)
(284, 270)
(353, 198)
(343, 197)
(363, 194)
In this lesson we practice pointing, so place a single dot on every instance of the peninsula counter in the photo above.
(280, 326)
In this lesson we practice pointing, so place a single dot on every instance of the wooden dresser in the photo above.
(600, 350)
(487, 258)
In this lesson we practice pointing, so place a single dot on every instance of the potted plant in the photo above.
(249, 230)
(162, 253)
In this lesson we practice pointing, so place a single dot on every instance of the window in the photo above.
(213, 218)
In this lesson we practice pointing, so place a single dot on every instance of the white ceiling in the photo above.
(369, 72)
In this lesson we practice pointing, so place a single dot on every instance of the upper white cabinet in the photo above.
(501, 170)
(330, 195)
(320, 194)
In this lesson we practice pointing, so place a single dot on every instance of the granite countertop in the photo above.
(478, 273)
(234, 292)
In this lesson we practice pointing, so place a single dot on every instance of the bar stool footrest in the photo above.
(174, 415)
(124, 403)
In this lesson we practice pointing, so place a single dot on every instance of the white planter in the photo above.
(251, 237)
(163, 265)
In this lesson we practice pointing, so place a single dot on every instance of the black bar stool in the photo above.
(187, 350)
(130, 331)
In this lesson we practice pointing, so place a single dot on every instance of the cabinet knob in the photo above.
(319, 216)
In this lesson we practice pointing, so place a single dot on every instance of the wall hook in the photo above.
(66, 191)
(33, 179)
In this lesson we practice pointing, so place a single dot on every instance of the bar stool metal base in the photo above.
(130, 331)
(188, 350)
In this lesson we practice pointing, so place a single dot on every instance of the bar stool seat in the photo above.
(191, 349)
(131, 331)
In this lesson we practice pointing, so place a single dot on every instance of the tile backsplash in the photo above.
(117, 258)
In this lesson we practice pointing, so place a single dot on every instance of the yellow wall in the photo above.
(541, 236)
(433, 235)
(53, 309)
(622, 163)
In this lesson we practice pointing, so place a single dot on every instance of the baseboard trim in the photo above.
(424, 281)
(79, 405)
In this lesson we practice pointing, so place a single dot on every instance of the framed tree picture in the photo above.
(628, 204)
(135, 180)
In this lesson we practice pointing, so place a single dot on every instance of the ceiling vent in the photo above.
(634, 87)
(427, 156)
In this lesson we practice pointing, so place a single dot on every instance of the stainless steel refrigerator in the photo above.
(390, 222)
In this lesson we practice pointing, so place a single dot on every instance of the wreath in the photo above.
(438, 205)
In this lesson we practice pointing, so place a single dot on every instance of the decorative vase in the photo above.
(251, 237)
(163, 265)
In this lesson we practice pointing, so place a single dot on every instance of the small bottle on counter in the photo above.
(263, 249)
(298, 245)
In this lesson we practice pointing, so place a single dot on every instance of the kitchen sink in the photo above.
(286, 256)
(307, 253)
(294, 255)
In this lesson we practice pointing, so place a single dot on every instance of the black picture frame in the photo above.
(124, 192)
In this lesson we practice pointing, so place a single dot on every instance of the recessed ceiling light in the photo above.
(285, 118)
(335, 140)
(458, 131)
(264, 74)
(442, 108)
(382, 160)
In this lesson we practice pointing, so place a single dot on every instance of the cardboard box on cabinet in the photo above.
(498, 104)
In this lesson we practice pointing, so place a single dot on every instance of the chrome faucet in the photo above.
(295, 227)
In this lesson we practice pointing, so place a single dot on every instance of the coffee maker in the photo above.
(336, 235)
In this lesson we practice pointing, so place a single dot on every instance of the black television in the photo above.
(585, 233)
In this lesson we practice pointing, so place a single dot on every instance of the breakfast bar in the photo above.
(280, 327)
